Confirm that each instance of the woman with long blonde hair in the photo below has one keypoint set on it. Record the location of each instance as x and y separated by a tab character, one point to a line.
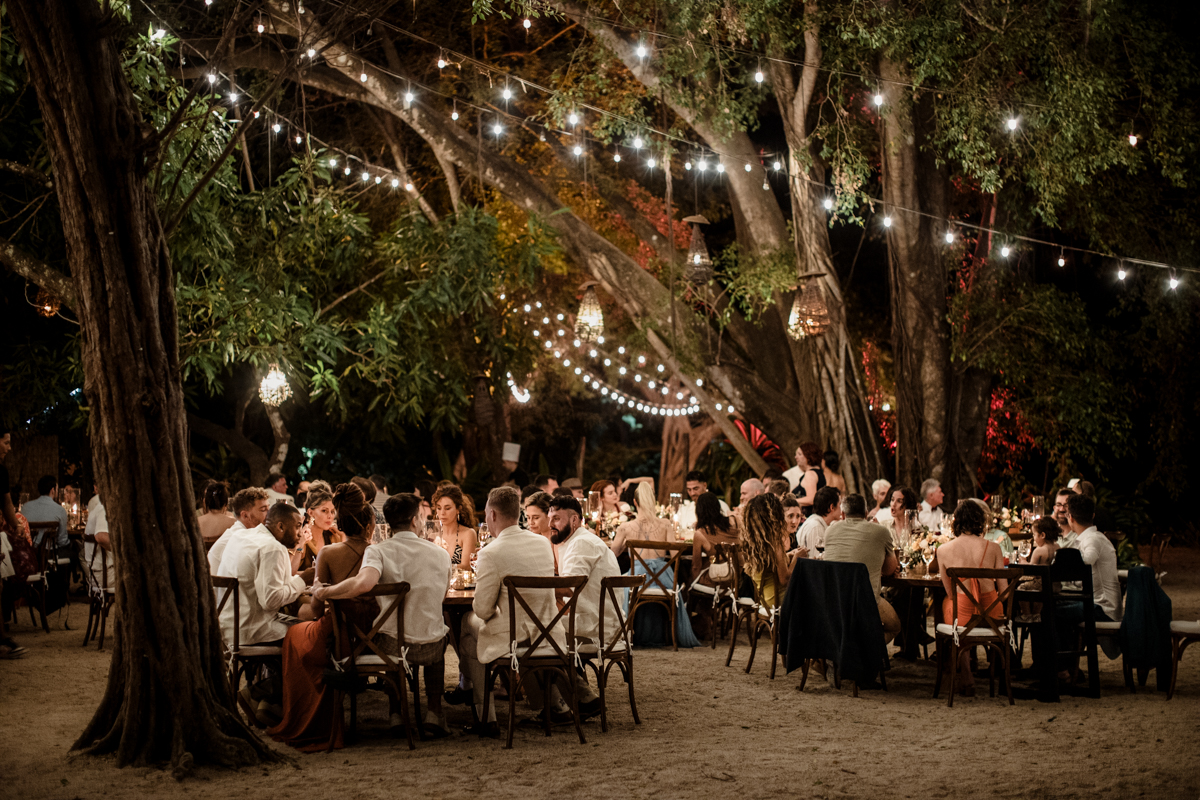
650	626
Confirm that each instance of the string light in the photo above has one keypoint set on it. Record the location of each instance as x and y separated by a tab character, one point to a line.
642	52
949	237
878	100
1173	282
650	163
363	77
887	222
1062	258
409	97
1004	251
1012	123
687	165
747	168
1133	140
395	182
578	150
528	24
702	165
507	93
637	143
366	176
828	203
299	139
212	78
720	167
573	118
441	62
277	127
1121	273
261	27
758	76
777	166
617	157
311	53
497	128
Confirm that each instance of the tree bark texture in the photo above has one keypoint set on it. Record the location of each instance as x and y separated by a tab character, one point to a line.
942	410
167	697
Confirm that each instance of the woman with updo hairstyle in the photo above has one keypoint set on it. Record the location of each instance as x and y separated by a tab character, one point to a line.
458	523
312	710
215	519
969	549
320	527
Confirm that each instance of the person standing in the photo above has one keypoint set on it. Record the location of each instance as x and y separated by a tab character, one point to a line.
812	480
811	535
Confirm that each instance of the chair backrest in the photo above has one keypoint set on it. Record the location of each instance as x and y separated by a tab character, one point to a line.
608	594
89	574
997	612
1068	567
232	588
515	583
1158	548
656	578
48	544
358	640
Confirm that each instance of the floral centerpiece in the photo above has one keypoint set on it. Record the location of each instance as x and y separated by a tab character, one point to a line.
922	546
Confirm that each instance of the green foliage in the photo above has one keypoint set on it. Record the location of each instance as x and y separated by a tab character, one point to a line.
1039	343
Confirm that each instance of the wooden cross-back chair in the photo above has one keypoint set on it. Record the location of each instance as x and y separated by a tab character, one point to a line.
357	653
757	617
240	655
101	596
38	584
614	648
989	626
716	600
542	654
658	590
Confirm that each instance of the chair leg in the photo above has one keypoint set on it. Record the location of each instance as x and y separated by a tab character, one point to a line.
416	693
1176	655
573	687
804	672
953	675
601	680
753	631
737	624
940	655
405	710
1008	675
87	634
103	623
671	612
774	649
513	682
991	672
628	670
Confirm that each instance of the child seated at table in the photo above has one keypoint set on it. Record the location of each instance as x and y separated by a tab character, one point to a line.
1045	540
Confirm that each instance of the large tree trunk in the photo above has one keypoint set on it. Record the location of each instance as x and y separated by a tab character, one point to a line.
942	412
167	696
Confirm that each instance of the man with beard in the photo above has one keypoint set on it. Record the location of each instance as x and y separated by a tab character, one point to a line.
581	552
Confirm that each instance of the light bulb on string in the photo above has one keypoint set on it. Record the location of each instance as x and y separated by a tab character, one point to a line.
454	113
497	128
261	27
578	150
777	166
441	62
748	168
650	163
1173	282
949	237
366	176
617	157
395	183
828	203
378	179
299	139
887	222
758	76
720	167
347	170
637	143
507	93
642	51
333	162
409	97
1121	273
687	165
311	53
702	165
256	115
1062	257
1011	124
1133	140
1004	251
528	23
573	118
277	127
878	100
233	97
212	78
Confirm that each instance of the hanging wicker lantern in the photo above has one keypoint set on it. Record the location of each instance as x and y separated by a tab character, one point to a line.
47	303
810	315
699	268
274	388
589	321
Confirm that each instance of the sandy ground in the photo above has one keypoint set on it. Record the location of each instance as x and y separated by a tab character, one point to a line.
705	728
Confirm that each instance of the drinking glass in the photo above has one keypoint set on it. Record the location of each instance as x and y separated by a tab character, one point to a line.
1026	549
485	535
913	520
432	527
1038	506
927	556
594	505
997	502
676	502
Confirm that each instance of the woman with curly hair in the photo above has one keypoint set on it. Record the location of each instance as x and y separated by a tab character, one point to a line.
458	523
763	556
312	710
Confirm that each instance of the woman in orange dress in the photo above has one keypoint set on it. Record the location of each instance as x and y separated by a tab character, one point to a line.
312	710
969	549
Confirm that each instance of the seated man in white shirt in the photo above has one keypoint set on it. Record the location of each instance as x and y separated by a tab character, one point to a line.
932	497
250	508
258	558
276	490
581	552
98	558
485	632
1066	536
1098	553
811	535
407	557
46	509
696	484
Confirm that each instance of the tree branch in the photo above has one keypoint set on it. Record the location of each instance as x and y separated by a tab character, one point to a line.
387	127
28	173
44	275
245	449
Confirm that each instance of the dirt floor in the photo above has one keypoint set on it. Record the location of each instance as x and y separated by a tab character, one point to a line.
705	728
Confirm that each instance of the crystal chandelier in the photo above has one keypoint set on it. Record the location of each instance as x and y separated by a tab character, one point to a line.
589	322
810	315
699	268
274	388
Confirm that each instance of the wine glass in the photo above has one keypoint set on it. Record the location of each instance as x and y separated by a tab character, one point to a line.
676	502
927	556
1025	549
485	535
997	503
913	520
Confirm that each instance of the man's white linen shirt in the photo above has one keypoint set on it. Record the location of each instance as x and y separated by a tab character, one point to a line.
584	553
687	513
274	497
812	534
264	572
94	554
218	549
426	568
1098	553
